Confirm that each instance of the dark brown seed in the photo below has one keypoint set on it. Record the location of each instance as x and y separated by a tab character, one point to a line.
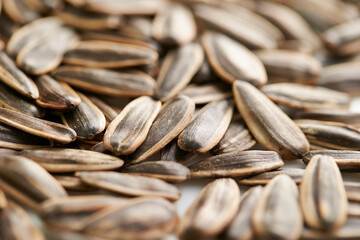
86	119
290	66
106	54
213	209
73	183
322	194
177	70
269	125
205	73
99	147
71	160
107	82
172	152
295	174
71	213
330	135
130	128
202	94
241	226
130	185
174	116
306	97
19	12
174	25
56	95
16	224
346	160
37	127
7	28
45	53
143	218
231	61
237	138
27	182
344	116
237	164
109	112
12	76
12	100
208	127
352	191
166	170
15	139
277	213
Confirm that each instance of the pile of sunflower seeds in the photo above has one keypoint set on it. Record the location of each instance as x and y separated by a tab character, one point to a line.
106	105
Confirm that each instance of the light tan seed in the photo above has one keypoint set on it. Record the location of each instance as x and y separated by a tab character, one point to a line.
269	125
86	119
231	61
166	170
143	218
208	127
213	209
346	160
71	160
202	94
12	76
344	116
106	54
56	95
237	164
130	128
295	174
37	127
277	213
178	68
19	12
322	194
130	185
3	200
45	6
107	82
330	135
241	226
174	116
352	191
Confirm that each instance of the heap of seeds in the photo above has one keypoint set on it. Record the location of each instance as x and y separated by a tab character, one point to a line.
107	105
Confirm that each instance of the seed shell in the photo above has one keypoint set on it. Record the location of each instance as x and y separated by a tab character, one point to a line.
346	160
343	116
295	174
19	12
203	94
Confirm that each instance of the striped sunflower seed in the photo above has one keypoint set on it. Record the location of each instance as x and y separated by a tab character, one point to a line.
73	183
202	94
346	160
109	112
352	191
6	151
353	209
295	174
3	200
19	12
45	6
343	116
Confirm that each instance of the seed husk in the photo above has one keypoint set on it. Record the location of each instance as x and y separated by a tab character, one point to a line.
6	151
86	119
56	95
346	160
322	194
71	160
12	76
3	200
353	209
343	116
130	185
212	210
277	213
107	82
16	224
290	66
177	70
231	61
172	152
106	54
330	135
27	182
45	53
19	12
37	127
7	28
130	128
143	218
306	97
174	25
109	112
352	191
45	6
203	94
268	123
99	147
295	174
174	116
208	127
166	170
241	226
73	183
236	138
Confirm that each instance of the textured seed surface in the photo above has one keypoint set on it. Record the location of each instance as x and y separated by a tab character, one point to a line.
344	116
269	125
322	194
71	182
346	160
352	191
202	94
295	174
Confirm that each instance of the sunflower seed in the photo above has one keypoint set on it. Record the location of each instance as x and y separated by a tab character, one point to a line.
7	28
45	6
269	125
277	213
6	151
37	127
130	128
3	201
344	116
19	12
109	112
213	209
174	116
130	185
86	119
99	147
202	94
172	152
352	191
346	160
73	183
322	194
178	68
353	209
295	174
230	60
